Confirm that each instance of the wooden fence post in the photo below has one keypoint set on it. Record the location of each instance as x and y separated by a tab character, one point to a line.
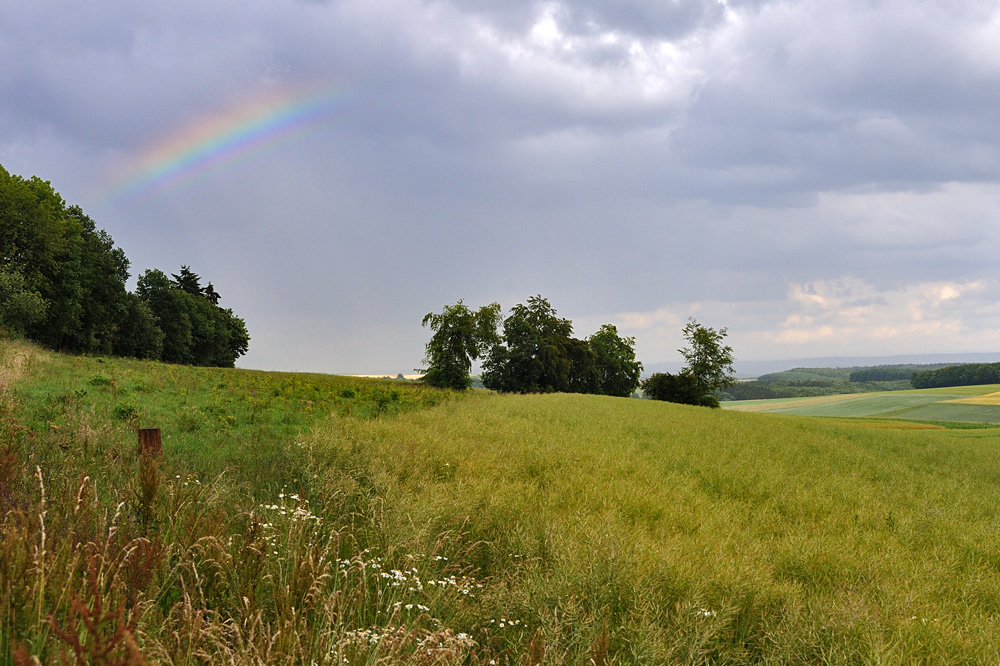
149	440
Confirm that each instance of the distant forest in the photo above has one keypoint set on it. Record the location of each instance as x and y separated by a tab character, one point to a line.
808	382
63	285
969	374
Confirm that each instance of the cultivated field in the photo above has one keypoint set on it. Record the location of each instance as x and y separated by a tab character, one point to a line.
970	404
313	519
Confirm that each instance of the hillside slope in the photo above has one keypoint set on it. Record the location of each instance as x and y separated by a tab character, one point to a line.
285	523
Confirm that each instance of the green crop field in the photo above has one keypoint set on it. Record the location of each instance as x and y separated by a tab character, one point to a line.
971	404
311	519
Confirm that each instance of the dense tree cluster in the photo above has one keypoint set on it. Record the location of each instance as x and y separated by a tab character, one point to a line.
709	369
883	373
754	390
62	284
460	337
969	374
534	352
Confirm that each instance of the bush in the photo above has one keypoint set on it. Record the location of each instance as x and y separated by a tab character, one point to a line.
682	388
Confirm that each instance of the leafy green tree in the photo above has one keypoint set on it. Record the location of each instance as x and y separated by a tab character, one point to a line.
20	307
709	360
709	369
534	352
66	260
139	334
538	353
195	331
36	241
615	368
169	305
218	337
583	371
238	343
101	270
32	224
460	337
63	285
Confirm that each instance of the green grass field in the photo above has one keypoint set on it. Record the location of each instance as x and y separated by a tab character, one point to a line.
314	519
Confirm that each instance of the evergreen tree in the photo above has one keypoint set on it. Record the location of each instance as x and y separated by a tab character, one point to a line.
188	281
211	294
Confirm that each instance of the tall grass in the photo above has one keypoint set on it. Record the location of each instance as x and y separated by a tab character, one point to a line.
241	545
312	519
689	535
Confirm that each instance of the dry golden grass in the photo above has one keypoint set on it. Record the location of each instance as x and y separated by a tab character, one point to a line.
13	363
988	399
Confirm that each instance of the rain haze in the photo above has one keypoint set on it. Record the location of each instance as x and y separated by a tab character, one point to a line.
821	178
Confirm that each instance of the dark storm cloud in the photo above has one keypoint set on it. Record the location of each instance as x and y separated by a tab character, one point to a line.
854	94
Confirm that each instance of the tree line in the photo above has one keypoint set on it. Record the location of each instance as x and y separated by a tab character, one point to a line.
808	382
63	285
532	350
968	374
884	373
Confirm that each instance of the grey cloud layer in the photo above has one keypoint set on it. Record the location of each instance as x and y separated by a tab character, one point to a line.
616	156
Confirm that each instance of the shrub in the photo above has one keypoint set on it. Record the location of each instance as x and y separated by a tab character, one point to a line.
682	388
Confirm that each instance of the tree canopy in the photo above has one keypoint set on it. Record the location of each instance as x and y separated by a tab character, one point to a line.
62	284
616	370
967	374
460	337
709	369
534	352
709	361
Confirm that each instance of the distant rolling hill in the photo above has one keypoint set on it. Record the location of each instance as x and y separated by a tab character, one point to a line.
751	369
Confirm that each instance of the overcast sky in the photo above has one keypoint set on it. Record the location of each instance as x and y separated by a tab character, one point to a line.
821	177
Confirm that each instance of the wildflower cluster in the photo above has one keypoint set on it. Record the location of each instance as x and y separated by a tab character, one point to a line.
505	623
373	635
300	511
187	480
409	579
446	642
441	644
924	620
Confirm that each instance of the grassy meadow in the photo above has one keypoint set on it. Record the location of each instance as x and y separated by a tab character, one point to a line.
310	519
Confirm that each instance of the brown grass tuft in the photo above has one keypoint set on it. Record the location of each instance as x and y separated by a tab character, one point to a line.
107	640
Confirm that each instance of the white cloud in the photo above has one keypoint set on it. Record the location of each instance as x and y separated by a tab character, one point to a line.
839	317
860	319
600	73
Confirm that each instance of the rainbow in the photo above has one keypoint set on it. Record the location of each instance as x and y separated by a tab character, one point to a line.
221	138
